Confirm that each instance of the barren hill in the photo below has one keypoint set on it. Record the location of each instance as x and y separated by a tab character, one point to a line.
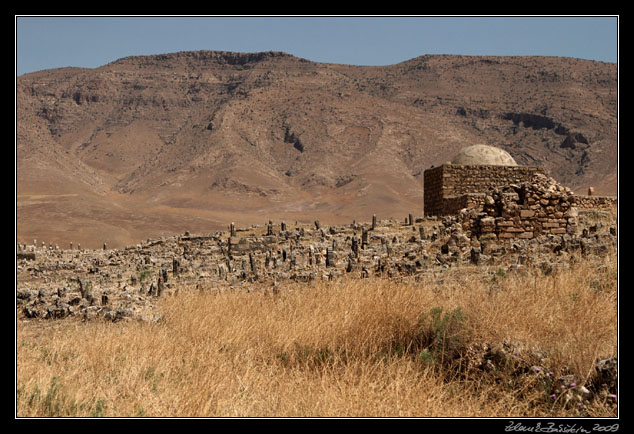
156	145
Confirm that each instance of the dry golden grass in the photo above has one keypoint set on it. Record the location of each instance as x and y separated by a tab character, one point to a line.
355	348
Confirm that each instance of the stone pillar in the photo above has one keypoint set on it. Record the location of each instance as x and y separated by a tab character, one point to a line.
252	263
364	239
232	229
159	286
330	258
373	221
355	246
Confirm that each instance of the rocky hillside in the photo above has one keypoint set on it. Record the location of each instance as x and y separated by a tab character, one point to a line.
156	145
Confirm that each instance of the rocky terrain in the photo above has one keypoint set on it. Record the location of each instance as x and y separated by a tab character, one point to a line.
54	282
152	146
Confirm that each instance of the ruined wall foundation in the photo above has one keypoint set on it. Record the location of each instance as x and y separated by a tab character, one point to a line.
506	202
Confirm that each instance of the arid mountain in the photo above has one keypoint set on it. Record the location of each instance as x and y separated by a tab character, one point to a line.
156	145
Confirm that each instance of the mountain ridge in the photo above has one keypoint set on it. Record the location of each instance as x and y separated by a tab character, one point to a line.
192	140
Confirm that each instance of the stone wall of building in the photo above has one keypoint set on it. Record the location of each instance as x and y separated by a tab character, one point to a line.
453	204
523	211
595	202
444	184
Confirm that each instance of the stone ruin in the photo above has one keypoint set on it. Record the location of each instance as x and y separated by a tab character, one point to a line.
519	218
522	200
522	211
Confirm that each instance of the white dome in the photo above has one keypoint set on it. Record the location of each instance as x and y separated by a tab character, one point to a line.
483	155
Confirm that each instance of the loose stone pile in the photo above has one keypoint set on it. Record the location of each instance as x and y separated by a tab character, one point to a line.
523	211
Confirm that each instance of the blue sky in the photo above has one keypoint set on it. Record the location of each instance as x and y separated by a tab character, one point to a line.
44	42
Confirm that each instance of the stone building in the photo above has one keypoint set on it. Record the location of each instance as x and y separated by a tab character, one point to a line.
498	199
471	173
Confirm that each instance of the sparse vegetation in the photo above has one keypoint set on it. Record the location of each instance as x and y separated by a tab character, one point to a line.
144	274
355	347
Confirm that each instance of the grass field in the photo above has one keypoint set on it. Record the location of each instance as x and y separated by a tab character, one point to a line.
351	348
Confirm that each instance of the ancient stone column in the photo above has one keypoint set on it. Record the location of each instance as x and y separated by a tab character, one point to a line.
590	191
364	239
222	271
83	289
232	229
330	258
355	246
283	226
410	219
373	221
317	225
252	263
160	287
269	228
